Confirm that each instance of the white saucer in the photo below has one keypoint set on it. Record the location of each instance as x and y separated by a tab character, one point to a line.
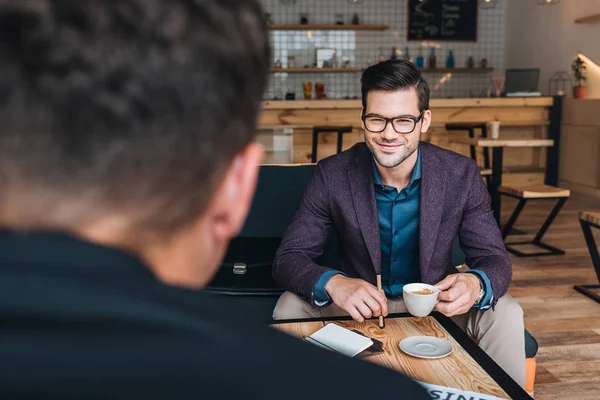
426	347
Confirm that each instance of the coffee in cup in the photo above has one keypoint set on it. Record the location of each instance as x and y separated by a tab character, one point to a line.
420	298
423	292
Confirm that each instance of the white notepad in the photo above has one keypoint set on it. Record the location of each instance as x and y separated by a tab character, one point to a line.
335	338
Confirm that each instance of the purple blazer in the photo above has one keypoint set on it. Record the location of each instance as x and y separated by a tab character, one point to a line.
454	201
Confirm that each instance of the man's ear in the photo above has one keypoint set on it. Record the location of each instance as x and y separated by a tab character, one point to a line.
426	121
229	207
364	110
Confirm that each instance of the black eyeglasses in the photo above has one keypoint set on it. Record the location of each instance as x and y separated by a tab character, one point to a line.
403	125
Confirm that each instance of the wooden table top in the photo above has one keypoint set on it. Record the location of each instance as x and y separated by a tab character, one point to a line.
501	142
591	217
459	370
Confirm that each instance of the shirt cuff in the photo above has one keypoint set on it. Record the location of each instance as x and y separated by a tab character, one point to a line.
320	295
488	297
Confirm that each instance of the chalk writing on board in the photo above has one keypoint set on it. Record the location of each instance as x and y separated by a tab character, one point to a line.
442	20
423	20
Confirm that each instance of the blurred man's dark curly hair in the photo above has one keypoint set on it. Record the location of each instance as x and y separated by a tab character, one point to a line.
123	107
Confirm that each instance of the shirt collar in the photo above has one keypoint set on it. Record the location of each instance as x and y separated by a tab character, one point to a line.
416	173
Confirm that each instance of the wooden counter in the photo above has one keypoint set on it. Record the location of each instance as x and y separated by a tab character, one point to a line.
521	118
580	147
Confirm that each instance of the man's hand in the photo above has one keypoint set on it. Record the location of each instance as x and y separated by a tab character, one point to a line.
358	298
458	293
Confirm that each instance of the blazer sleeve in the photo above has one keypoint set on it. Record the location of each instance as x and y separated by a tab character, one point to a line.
480	237
295	267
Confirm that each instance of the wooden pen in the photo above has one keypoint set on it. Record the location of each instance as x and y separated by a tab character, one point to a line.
381	320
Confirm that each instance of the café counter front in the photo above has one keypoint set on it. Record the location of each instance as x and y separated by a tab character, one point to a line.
286	130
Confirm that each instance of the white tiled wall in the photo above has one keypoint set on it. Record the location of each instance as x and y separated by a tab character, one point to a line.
363	47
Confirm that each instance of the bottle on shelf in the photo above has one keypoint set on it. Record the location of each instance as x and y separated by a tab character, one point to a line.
406	54
450	59
432	59
470	62
394	55
420	58
381	56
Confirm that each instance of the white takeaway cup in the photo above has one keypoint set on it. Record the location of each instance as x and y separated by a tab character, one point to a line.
494	129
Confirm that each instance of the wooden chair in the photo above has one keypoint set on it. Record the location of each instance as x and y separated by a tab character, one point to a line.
587	221
535	192
323	129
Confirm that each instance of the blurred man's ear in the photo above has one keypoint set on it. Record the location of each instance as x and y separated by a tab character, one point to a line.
229	206
193	256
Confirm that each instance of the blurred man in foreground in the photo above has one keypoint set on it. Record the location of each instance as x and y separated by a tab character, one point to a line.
126	166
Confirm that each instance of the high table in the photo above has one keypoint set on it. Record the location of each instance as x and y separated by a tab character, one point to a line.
467	368
498	146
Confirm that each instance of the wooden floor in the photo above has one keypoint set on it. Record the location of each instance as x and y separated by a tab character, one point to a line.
565	323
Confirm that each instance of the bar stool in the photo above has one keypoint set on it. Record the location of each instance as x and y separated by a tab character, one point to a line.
323	129
537	192
486	170
587	221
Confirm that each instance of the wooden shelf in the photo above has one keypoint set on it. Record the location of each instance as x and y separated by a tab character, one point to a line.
457	70
590	19
423	70
313	70
326	27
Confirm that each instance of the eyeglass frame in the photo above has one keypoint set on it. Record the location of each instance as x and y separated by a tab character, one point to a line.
388	120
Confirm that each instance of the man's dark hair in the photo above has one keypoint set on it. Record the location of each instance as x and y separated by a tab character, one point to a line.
128	108
395	75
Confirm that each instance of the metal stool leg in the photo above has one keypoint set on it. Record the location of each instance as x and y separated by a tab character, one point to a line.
472	148
537	240
340	140
315	144
513	218
486	151
538	237
593	248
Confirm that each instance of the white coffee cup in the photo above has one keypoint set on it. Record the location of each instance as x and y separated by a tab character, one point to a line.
494	129
420	305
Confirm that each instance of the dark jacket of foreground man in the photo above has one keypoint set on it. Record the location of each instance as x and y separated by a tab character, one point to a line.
78	320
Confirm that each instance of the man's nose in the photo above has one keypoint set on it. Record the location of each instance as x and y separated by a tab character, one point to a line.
389	133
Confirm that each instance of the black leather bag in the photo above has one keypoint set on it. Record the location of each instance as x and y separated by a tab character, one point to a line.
247	267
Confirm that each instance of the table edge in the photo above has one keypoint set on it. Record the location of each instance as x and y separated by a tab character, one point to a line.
503	380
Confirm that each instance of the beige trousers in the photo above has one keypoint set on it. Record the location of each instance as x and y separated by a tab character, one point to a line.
500	332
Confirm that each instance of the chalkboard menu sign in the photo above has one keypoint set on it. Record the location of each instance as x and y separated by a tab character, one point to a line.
452	20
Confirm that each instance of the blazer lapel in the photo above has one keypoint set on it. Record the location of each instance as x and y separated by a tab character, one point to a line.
433	189
363	197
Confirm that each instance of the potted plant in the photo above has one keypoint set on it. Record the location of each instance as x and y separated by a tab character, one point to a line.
578	68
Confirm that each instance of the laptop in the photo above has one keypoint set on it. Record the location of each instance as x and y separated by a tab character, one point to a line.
522	82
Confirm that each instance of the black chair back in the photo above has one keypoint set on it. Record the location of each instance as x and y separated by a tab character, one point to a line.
247	267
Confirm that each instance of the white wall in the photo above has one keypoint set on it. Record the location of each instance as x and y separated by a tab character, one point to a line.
546	36
361	48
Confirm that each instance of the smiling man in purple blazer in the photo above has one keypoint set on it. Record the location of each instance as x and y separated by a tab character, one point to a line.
397	205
